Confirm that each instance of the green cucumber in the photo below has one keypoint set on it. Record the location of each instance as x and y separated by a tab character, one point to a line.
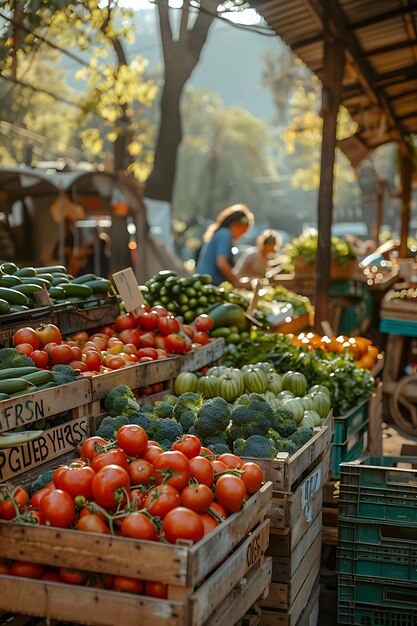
81	291
70	277
35	280
26	271
163	275
28	289
56	292
12	385
53	269
4	307
49	385
84	278
99	285
4	396
18	372
59	280
12	296
8	268
18	308
41	377
9	281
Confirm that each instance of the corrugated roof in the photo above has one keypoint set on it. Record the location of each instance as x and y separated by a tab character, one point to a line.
380	81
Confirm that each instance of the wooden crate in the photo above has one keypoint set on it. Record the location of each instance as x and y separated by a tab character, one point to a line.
375	422
244	537
136	376
196	359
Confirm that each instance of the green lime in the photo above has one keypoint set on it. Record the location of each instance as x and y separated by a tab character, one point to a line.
200	310
165	299
170	306
192	303
203	301
233	338
191	292
189	316
182	298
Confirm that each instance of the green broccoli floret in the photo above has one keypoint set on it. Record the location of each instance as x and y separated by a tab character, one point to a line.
64	374
191	431
9	357
162	409
256	446
110	425
187	420
252	415
165	431
283	422
188	401
216	440
41	481
220	448
285	445
213	418
120	391
141	420
124	406
301	436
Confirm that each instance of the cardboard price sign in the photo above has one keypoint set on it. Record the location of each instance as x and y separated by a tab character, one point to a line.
128	288
53	443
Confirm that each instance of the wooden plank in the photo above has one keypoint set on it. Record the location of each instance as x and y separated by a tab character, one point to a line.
375	422
51	444
42	404
86	605
281	545
220	584
135	376
330	536
239	601
196	359
393	353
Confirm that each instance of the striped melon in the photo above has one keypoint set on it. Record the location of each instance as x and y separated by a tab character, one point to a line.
256	381
184	382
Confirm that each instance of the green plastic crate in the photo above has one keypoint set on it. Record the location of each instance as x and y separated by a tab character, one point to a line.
389	559
375	533
375	488
349	450
380	592
366	615
347	425
394	326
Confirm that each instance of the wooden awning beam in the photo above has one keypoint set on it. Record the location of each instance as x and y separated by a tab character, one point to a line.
376	19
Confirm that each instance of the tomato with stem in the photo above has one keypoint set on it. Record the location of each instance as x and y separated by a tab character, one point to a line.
189	445
172	468
138	525
110	486
132	439
92	523
140	472
230	492
162	499
198	498
76	479
181	523
90	447
57	508
202	470
114	456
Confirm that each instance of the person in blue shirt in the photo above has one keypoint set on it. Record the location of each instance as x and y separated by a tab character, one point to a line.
216	254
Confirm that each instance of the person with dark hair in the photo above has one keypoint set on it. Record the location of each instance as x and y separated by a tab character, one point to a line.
253	262
216	254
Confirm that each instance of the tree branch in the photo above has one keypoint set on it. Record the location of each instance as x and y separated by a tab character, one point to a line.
165	29
185	11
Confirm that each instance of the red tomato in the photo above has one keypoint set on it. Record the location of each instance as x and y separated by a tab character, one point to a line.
202	470
61	354
24	348
75	479
137	499
230	492
201	337
176	344
115	362
160	342
51	576
147	352
49	347
78	365
73	576
48	333
40	358
76	353
206	452
7	510
4	568
109	486
80	337
125	321
231	460
140	472
26	570
218	510
132	439
101	342
92	509
26	335
156	590
174	464
160	311
90	447
57	508
203	322
37	497
253	477
151	453
114	456
37	517
130	349
189	445
188	330
92	524
157	387
130	336
181	523
108	330
209	523
129	585
162	499
90	345
167	325
198	498
93	360
147	321
138	526
219	466
147	340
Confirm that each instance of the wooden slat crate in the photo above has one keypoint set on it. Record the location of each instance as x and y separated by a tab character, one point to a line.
135	376
244	537
196	359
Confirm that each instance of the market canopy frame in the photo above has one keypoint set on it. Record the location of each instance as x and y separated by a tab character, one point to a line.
365	54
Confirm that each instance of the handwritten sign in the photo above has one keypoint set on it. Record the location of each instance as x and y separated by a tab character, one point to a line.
53	443
128	288
310	487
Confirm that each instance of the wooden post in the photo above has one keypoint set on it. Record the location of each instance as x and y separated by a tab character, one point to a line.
380	191
406	171
332	86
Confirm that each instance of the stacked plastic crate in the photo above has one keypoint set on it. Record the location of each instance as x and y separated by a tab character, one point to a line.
377	547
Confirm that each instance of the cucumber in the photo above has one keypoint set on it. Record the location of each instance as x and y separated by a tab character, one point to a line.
41	377
17	372
59	280
12	296
18	308
99	285
26	271
52	269
46	386
81	291
35	280
4	307
4	396
70	277
8	268
12	385
163	275
9	281
28	289
48	277
84	278
56	292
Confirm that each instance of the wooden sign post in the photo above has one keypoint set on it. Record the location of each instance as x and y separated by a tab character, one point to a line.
128	288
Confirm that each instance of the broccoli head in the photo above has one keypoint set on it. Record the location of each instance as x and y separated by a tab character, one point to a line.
220	448
64	374
41	481
285	445
283	422
215	440
162	409
252	416
110	425
118	392
213	418
301	436
141	420
124	406
188	401
165	431
187	420
255	446
10	357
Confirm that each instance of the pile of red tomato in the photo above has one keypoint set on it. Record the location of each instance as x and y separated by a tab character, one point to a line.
152	334
132	488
